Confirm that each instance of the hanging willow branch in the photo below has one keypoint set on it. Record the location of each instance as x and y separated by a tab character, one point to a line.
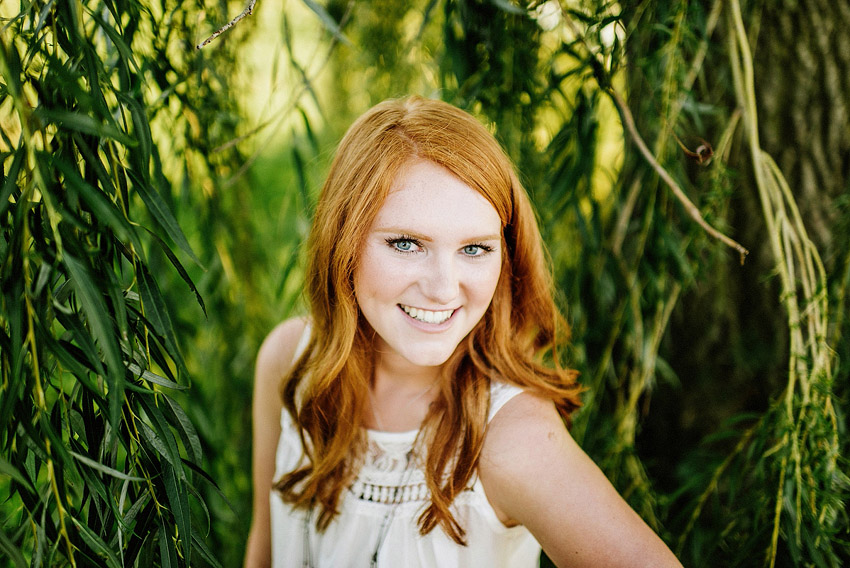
693	211
809	428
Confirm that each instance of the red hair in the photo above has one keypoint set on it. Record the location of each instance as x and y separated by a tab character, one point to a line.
327	388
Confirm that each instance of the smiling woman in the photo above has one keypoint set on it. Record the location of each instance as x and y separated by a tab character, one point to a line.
429	267
417	422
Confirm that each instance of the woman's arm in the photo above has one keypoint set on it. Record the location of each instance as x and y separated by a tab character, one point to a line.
273	362
536	475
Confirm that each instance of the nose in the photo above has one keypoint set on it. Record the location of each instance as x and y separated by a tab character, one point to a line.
440	282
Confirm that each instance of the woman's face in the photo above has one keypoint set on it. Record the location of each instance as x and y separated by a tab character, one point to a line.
429	266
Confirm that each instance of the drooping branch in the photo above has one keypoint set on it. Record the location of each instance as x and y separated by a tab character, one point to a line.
604	81
693	211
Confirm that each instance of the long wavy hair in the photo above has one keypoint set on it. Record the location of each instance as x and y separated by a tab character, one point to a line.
326	391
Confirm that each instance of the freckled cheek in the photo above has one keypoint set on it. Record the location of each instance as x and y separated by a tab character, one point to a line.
482	282
382	277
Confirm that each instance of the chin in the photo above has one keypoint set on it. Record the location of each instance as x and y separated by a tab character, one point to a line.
435	358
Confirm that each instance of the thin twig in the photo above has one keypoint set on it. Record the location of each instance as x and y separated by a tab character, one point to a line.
246	12
693	211
302	87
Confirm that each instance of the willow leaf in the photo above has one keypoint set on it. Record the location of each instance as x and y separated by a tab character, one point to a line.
141	128
120	44
93	161
84	123
157	313
180	269
9	469
157	446
180	421
10	182
199	499
96	314
153	377
97	544
508	7
167	548
162	214
178	498
204	475
101	207
130	516
74	361
15	349
206	553
103	468
161	433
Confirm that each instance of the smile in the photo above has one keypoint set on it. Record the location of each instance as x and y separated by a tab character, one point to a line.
427	316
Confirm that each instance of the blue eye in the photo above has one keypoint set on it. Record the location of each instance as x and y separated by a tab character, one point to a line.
476	250
404	244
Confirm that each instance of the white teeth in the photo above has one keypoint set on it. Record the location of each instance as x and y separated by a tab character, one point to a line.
426	315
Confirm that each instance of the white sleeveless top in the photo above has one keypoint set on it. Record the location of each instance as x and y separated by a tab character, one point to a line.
387	498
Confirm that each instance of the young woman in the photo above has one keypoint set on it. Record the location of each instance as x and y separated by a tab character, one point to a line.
414	417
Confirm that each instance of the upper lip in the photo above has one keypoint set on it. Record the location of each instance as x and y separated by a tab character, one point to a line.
447	309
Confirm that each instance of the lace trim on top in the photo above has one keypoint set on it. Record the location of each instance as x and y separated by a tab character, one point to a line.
386	475
390	495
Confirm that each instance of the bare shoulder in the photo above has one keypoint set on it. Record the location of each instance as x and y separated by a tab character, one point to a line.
273	362
278	349
525	431
535	474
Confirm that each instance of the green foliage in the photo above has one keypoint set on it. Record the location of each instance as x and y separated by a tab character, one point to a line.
103	466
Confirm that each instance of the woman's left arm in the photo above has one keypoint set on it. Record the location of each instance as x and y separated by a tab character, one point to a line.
535	474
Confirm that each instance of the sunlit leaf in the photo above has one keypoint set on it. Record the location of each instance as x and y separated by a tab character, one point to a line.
10	181
507	6
85	124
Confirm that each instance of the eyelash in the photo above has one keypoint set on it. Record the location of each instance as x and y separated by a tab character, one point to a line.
393	242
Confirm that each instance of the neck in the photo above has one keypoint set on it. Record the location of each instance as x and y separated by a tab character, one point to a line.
400	396
401	374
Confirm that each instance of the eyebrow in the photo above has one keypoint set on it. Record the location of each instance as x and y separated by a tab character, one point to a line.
421	237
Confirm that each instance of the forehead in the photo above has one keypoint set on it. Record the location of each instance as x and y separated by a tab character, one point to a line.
428	194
